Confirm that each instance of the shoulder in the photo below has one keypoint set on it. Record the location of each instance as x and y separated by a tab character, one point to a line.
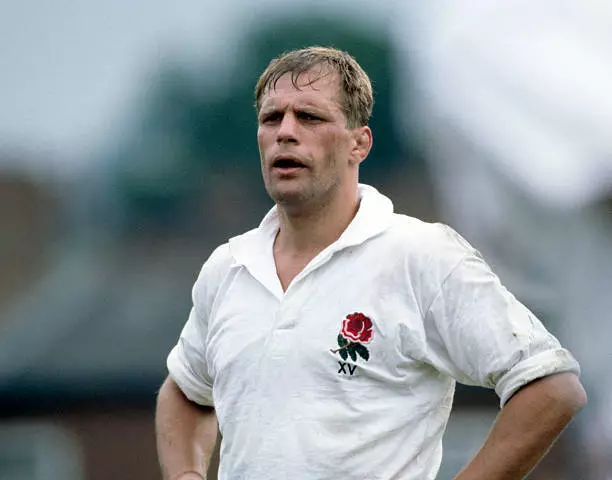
213	271
219	260
420	238
426	252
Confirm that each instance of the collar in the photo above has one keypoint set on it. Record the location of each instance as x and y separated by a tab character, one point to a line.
254	249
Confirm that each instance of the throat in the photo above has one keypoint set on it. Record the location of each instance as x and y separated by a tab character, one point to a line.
288	269
290	261
308	232
301	237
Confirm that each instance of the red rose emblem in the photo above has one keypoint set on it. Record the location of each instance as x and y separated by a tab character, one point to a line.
356	327
356	330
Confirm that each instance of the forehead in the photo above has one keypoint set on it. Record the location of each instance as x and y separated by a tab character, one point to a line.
316	87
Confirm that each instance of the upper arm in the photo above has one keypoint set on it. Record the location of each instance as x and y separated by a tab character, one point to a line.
564	391
187	362
480	334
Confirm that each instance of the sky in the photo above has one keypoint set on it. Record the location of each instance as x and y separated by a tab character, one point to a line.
71	70
528	88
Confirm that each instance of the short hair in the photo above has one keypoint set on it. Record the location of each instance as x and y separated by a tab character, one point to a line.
356	98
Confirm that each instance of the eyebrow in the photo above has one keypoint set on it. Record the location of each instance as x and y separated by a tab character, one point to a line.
266	110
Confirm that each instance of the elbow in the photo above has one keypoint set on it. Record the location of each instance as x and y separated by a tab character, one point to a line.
580	398
570	393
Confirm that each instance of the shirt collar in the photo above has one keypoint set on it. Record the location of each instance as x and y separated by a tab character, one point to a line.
372	218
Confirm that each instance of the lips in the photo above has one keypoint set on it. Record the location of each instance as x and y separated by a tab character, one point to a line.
287	162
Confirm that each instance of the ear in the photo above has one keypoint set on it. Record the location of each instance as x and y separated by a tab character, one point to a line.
362	144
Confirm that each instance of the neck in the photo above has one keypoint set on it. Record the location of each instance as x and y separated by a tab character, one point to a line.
309	231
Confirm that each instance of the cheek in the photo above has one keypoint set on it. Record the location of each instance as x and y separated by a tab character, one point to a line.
337	149
260	138
264	137
262	146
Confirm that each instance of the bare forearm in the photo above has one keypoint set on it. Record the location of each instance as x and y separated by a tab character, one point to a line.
186	434
526	428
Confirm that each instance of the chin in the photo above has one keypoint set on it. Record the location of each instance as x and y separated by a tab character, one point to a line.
288	195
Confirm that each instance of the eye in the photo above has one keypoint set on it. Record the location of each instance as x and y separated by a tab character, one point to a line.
309	117
272	117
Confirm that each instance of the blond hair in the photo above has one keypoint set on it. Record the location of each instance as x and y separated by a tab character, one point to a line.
356	98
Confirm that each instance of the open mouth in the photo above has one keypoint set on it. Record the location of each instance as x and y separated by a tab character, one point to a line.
287	164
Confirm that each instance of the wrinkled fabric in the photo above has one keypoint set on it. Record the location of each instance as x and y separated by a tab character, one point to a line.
290	405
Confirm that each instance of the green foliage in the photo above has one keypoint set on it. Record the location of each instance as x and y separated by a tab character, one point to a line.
362	351
343	353
185	135
352	351
372	50
342	343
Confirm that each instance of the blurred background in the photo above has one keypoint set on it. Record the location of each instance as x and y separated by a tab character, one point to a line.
128	152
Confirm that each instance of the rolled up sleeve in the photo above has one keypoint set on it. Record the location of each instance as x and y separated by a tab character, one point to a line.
540	365
187	364
480	334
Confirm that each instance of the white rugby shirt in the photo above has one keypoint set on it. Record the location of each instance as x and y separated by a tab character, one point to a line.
291	403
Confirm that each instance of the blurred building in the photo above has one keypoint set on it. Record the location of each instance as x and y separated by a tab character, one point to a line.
515	104
97	265
27	209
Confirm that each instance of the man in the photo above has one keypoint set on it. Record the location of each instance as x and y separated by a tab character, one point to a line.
326	342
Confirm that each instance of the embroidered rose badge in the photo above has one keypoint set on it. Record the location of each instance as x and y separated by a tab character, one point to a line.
355	332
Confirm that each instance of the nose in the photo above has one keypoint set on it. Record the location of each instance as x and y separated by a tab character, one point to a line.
287	130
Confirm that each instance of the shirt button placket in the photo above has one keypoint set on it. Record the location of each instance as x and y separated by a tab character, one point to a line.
283	327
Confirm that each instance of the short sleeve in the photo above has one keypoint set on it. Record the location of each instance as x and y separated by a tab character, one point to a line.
187	360
480	334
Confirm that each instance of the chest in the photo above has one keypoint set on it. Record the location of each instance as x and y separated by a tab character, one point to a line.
341	330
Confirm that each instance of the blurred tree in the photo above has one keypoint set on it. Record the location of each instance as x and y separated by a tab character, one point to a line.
232	124
155	165
189	137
